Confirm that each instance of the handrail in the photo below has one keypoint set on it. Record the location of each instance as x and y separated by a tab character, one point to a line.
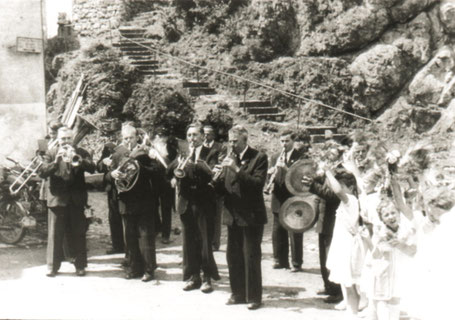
247	80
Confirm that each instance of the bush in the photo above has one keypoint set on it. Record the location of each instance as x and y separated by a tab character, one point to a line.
220	120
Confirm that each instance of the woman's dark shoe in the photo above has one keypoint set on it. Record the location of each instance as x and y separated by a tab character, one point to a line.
147	277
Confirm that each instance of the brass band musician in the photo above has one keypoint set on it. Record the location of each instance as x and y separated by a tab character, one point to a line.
280	236
137	206
64	166
196	206
244	177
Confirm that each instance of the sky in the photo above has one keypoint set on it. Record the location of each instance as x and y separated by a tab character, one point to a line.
53	7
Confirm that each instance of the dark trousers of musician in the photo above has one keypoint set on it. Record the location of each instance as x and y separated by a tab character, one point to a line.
244	262
166	200
115	222
197	244
69	222
280	241
217	222
140	243
324	245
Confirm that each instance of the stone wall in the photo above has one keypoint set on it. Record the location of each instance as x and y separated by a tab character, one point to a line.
95	18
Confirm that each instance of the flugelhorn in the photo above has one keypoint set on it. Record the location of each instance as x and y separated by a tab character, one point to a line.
179	172
220	173
269	187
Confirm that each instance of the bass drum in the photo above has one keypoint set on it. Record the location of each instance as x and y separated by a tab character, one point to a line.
299	213
294	174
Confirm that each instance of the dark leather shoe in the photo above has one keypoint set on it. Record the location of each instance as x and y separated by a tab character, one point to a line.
206	287
232	300
278	265
147	277
165	241
113	251
253	305
322	293
296	269
51	274
192	285
333	299
80	272
131	275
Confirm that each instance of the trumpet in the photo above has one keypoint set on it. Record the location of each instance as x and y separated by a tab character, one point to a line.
147	145
269	187
220	173
179	172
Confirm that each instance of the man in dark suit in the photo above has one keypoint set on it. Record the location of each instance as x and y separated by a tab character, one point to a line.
210	143
196	206
137	206
114	217
167	148
64	166
245	215
325	225
280	162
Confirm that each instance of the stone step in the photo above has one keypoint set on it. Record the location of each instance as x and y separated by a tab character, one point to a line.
146	68
253	103
154	72
278	117
200	91
131	29
144	56
133	48
262	110
124	44
144	62
194	84
133	35
320	129
319	138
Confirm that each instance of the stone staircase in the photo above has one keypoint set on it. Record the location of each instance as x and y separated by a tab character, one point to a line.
318	133
262	110
196	88
141	58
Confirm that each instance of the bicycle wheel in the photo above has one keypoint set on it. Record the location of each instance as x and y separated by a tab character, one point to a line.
11	229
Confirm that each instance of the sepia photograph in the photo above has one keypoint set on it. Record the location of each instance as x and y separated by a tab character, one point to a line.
227	159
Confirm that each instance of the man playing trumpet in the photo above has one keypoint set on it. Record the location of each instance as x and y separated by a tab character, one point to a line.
137	206
64	166
196	206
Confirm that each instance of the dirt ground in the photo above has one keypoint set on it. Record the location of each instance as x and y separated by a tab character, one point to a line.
26	293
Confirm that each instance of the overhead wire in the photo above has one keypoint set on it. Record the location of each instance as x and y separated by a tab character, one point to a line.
284	92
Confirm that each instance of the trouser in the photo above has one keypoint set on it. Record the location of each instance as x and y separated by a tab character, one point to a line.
197	244
115	222
385	309
166	199
280	241
244	262
69	222
140	243
217	222
324	245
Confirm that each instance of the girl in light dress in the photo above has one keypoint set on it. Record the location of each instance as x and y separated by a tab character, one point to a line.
339	260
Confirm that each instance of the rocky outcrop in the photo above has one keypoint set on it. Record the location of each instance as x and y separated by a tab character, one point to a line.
434	84
447	16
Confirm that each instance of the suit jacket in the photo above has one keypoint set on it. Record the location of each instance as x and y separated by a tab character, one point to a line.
139	200
243	191
194	188
280	192
108	150
66	184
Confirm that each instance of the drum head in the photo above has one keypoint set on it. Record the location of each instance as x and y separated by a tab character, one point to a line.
293	179
297	214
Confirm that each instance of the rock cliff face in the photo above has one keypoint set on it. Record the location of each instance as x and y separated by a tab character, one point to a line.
392	61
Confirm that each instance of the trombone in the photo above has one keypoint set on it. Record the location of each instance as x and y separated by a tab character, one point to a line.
84	127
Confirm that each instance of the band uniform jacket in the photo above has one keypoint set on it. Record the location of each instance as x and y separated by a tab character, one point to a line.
69	186
194	188
138	199
280	192
243	191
